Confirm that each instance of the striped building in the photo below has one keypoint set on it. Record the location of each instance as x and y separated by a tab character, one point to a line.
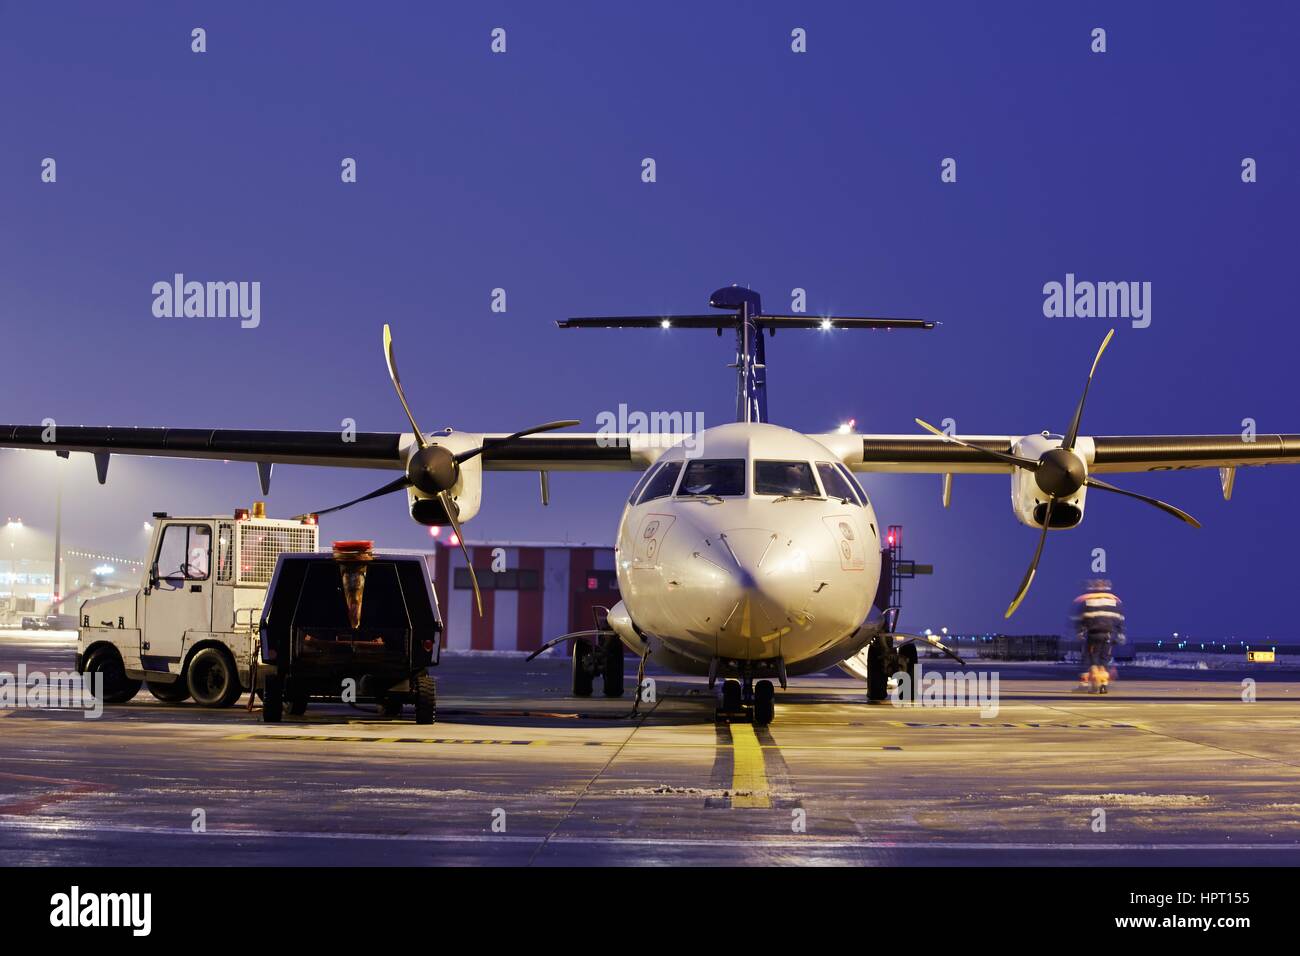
545	590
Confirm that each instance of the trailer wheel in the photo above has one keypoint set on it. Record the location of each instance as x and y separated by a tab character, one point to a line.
173	693
582	655
295	701
613	670
426	699
118	688
212	678
272	701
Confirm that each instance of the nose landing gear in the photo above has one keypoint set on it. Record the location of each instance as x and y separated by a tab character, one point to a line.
748	702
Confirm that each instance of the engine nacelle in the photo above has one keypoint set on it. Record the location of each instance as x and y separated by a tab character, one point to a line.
467	493
1028	501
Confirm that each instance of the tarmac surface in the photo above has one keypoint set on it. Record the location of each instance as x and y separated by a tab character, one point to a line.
1171	768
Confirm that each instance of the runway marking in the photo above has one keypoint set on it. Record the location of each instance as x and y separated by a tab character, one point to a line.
69	790
387	740
749	786
49	825
592	782
1009	725
1201	743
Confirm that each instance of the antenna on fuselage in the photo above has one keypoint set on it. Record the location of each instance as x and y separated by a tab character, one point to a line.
749	322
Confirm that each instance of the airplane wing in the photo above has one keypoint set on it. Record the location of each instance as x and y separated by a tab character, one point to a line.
967	454
606	451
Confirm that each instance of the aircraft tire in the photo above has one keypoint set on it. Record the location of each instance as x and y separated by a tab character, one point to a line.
877	671
732	700
764	703
907	663
613	671
582	652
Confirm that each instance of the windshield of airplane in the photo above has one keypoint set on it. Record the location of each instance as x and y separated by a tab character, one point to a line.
661	482
784	478
836	485
714	476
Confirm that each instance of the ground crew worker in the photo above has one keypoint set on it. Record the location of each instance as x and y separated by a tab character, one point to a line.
1100	625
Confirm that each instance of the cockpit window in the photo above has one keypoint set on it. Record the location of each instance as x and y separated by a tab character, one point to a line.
661	484
835	484
643	481
784	478
853	483
714	476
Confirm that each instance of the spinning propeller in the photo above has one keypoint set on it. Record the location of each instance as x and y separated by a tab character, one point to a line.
1059	473
434	470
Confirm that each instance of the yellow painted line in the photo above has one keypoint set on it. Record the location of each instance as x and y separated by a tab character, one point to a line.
1013	725
385	740
749	776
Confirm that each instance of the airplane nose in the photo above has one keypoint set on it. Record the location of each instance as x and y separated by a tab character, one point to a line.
754	585
774	577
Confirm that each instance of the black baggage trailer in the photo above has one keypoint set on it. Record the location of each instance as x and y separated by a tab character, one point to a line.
352	625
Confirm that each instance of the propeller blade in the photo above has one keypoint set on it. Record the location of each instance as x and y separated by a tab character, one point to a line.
1010	459
548	426
450	507
1033	565
397	484
1073	433
1162	505
391	359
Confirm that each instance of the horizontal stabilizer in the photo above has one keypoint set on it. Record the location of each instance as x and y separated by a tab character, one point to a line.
724	321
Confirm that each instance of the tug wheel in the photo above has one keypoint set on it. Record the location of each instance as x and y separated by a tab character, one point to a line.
212	679
118	688
173	693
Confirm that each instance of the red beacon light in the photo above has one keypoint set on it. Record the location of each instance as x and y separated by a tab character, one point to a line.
310	519
241	514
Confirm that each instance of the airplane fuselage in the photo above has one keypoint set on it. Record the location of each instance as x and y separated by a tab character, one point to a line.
755	548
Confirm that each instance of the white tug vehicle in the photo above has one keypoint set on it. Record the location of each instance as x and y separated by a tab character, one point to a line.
191	627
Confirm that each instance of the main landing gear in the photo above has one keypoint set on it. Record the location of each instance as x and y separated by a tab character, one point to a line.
603	659
596	653
884	661
750	701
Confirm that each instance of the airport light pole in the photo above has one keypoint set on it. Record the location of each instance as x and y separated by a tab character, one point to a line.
58	536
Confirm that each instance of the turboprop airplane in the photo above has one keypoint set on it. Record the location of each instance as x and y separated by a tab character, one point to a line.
748	552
